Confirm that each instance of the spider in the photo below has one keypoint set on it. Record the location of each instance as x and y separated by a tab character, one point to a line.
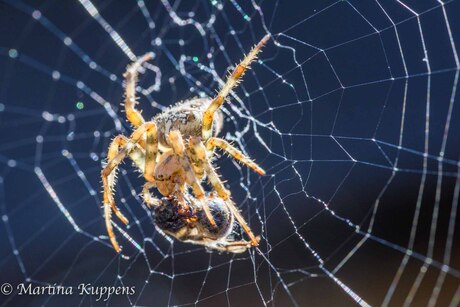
174	150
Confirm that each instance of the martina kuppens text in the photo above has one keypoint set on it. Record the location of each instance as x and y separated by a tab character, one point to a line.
101	293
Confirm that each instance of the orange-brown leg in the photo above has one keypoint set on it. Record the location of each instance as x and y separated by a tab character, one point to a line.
115	156
118	141
196	152
235	153
149	199
108	180
236	247
217	184
151	151
232	82
133	115
177	143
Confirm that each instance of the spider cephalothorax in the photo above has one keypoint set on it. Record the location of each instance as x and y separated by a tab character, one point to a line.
174	152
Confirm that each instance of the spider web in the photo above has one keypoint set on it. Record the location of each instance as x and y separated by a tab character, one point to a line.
351	108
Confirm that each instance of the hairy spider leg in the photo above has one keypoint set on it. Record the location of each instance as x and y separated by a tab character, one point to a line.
197	153
149	199
109	182
151	152
134	116
232	82
235	153
177	143
224	246
217	184
235	247
115	156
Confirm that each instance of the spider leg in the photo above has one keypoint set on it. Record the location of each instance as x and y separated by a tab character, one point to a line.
177	144
108	180
151	151
132	71
198	156
235	153
235	247
210	243
118	141
196	152
149	199
115	156
215	181
232	82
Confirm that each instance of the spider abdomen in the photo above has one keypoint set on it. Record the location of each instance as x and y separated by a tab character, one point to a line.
186	117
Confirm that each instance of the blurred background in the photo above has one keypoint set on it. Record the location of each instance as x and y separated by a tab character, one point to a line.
352	109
